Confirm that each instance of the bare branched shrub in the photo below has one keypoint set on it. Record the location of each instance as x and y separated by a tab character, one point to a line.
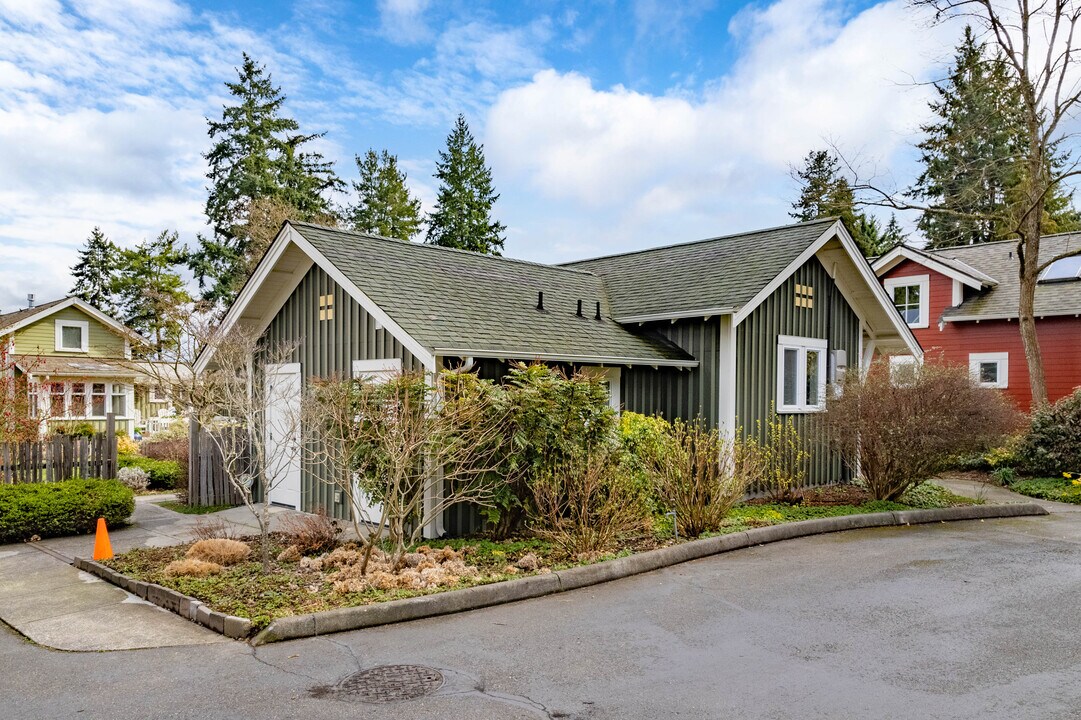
191	567
901	435
220	551
211	528
586	505
700	475
786	457
311	534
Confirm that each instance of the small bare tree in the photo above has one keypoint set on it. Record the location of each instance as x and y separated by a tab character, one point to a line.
412	448
900	434
231	400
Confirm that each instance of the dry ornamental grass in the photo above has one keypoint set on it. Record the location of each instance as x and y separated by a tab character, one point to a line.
220	551
191	567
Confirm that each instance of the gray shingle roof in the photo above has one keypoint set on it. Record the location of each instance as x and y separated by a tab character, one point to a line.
450	299
999	260
719	273
11	318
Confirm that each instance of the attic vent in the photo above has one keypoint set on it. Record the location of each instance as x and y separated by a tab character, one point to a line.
805	296
326	307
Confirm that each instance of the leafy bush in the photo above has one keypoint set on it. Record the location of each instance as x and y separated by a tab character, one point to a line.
900	435
1004	476
1058	489
125	445
70	507
74	429
700	476
161	474
1052	444
133	477
585	505
928	495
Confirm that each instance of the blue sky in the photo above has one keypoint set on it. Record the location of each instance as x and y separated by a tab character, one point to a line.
609	126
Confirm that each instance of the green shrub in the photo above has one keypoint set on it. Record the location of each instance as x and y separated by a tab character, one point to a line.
74	429
1059	489
161	474
1052	444
70	507
1004	476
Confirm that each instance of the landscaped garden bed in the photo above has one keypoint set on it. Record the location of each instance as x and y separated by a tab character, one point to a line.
1061	489
324	580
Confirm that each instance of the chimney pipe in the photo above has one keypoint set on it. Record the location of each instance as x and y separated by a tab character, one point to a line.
540	300
598	315
579	313
30	300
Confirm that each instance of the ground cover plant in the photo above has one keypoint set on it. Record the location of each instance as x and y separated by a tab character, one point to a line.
1060	489
69	507
298	583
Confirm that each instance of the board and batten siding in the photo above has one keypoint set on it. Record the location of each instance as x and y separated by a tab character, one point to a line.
673	393
831	318
327	348
40	338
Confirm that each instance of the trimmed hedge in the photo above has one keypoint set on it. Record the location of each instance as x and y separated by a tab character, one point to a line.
69	507
161	474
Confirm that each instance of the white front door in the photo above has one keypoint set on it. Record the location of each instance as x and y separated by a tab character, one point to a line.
282	433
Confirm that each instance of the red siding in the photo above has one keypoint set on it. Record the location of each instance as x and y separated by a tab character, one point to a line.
1060	340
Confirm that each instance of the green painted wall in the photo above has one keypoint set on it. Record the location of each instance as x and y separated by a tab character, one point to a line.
40	337
673	393
326	348
830	318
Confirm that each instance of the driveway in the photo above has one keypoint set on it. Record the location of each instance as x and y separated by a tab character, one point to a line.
958	620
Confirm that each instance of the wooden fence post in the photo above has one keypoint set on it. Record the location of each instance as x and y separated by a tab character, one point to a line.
194	461
110	446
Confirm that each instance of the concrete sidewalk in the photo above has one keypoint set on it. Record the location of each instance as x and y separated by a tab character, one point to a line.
46	599
997	494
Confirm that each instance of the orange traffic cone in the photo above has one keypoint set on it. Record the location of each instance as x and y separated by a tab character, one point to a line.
103	549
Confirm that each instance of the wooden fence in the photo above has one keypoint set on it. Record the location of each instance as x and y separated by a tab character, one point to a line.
61	457
208	483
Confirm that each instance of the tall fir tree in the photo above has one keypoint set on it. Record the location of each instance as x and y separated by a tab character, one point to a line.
826	192
384	205
149	288
256	153
463	213
95	272
971	155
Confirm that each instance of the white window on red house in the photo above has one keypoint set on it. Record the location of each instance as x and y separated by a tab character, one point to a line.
801	374
910	295
990	369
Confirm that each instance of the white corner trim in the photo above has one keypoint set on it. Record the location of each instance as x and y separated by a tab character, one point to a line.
924	284
958	296
84	327
1002	359
726	365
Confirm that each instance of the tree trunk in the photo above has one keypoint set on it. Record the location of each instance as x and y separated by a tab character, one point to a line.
1028	257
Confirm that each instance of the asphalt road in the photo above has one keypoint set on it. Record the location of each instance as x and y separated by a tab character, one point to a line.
961	620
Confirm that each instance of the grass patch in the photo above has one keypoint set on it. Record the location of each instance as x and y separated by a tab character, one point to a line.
290	589
177	506
1058	489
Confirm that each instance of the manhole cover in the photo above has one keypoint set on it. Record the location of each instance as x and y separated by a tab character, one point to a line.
387	683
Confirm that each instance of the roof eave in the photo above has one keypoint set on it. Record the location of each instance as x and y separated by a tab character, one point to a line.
566	357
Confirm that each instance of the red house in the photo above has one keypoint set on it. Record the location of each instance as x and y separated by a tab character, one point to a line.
961	304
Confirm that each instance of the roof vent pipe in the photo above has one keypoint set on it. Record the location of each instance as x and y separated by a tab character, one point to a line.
579	313
598	315
540	299
30	300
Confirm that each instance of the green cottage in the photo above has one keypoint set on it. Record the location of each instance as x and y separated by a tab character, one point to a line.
725	328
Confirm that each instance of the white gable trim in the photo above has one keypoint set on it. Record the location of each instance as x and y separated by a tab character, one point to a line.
901	253
287	236
79	304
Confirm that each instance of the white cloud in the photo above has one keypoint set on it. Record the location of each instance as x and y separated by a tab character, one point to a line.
405	21
634	167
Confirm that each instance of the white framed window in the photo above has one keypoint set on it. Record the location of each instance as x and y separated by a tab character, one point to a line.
72	335
990	369
72	400
610	378
911	296
378	370
801	374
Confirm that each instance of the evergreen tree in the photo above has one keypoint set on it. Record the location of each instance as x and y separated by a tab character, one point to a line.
463	212
95	272
825	192
971	155
149	287
384	205
256	153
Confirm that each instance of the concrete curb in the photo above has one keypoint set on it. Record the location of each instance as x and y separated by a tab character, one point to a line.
533	586
183	605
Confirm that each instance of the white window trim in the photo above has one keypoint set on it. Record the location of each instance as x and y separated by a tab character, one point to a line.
44	403
379	370
802	344
924	283
611	375
1003	361
83	325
